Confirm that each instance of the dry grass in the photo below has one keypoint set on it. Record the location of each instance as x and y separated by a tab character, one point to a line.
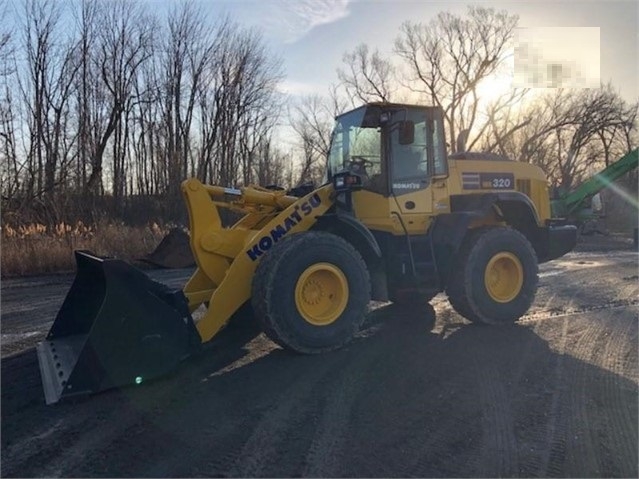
36	249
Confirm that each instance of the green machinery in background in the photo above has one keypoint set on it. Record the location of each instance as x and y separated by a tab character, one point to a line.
575	206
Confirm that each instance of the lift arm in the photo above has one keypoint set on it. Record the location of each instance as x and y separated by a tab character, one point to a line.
227	257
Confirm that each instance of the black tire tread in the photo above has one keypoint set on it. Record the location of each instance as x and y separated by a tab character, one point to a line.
459	283
456	287
263	283
265	286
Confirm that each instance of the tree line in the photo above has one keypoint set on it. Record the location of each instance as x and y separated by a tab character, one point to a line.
102	97
569	133
104	102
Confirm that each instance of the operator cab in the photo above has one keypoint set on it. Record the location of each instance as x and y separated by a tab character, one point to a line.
396	149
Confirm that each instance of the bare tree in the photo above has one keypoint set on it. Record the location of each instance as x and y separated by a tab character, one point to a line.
572	133
46	89
499	120
368	76
9	167
241	89
187	52
6	33
271	166
580	146
118	104
312	119
447	58
125	42
619	134
149	168
88	89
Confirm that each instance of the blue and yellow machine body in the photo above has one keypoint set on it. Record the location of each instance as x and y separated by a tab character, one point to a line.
398	219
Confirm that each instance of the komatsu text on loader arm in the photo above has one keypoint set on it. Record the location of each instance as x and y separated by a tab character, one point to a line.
397	219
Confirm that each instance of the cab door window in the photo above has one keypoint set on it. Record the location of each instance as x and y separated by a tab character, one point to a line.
410	162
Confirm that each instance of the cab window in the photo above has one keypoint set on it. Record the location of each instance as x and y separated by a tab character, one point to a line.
410	162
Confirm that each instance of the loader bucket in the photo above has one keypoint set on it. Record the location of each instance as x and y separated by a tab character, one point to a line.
116	327
174	251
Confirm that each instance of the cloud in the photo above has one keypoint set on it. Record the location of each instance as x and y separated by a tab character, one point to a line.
290	20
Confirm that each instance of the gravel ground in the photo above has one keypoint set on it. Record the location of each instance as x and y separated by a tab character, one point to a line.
420	392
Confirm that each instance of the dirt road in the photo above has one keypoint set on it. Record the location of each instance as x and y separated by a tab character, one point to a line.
418	393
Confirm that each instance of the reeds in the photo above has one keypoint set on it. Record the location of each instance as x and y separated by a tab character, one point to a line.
36	249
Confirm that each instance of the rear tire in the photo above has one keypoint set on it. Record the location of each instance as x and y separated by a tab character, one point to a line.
311	292
495	278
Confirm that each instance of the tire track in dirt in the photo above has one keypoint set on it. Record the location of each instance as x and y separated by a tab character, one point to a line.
261	449
554	443
420	438
432	434
427	452
115	425
88	428
324	455
534	402
266	442
391	429
499	445
592	420
535	410
617	354
582	455
570	311
410	409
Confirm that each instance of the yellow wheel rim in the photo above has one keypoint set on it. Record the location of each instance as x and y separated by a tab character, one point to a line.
504	277
321	294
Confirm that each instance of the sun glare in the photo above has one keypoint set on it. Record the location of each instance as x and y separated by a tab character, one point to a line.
622	193
493	87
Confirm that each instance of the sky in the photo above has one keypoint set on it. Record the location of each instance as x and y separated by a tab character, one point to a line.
311	36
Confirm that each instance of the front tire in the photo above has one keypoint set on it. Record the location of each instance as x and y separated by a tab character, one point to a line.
311	292
494	280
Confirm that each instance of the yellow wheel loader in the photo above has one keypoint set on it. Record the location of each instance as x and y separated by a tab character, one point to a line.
396	219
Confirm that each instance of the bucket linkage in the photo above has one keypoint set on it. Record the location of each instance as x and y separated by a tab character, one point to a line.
116	327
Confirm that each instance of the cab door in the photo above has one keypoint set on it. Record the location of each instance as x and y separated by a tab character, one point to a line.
409	168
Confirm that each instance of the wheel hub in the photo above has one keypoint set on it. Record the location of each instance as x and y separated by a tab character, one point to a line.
504	277
321	294
312	292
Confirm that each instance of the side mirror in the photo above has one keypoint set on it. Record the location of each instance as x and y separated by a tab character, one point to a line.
406	132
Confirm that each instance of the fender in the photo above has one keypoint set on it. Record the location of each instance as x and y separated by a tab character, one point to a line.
353	230
516	207
449	230
356	233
